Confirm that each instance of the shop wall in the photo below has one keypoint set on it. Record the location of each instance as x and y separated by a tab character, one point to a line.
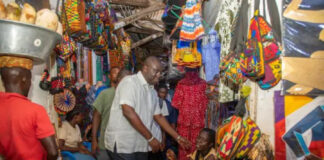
39	96
261	102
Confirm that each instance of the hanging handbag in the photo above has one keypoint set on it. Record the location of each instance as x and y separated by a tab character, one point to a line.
252	60
253	134
261	58
66	48
233	134
230	70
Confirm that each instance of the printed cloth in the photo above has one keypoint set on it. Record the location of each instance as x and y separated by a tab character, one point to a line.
188	54
211	55
225	22
298	126
12	61
211	153
91	95
115	58
191	101
192	28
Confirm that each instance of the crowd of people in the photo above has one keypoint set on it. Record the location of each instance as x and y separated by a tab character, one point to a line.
132	120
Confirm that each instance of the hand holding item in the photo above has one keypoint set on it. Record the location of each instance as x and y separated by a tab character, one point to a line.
162	146
155	144
94	146
84	150
184	143
171	155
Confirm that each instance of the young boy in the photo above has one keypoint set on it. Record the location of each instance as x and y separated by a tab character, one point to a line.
172	118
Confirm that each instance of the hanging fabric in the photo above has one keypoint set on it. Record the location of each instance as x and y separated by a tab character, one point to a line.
105	69
99	68
192	27
211	55
102	68
230	66
78	61
66	48
188	54
94	67
231	71
85	64
191	101
115	58
226	20
74	12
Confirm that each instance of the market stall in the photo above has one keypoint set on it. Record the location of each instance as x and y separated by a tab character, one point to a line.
251	70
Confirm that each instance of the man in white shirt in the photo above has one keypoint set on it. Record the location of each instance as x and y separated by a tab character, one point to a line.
128	134
157	132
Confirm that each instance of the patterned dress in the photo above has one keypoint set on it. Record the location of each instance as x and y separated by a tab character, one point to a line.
192	28
191	101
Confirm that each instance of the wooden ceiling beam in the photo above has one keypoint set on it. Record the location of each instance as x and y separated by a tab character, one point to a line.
139	15
141	31
147	39
137	3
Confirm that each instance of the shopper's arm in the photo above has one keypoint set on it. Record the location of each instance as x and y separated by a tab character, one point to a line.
163	140
83	149
50	146
63	147
136	122
168	129
95	126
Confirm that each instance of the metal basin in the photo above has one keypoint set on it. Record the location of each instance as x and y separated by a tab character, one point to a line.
27	40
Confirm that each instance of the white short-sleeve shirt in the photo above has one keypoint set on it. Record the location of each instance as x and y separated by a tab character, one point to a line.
137	93
156	129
